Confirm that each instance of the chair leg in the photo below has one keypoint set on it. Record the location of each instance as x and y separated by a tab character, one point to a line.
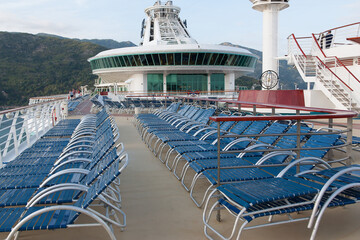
184	176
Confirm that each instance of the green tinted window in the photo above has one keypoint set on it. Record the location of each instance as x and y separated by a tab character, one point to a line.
155	82
186	82
217	81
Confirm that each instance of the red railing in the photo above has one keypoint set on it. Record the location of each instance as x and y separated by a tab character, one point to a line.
297	43
341	63
348	25
337	59
334	73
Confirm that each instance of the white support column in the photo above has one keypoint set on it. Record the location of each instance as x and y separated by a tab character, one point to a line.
270	38
209	82
164	82
270	10
229	81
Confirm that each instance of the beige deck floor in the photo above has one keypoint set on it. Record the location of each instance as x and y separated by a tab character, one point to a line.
158	207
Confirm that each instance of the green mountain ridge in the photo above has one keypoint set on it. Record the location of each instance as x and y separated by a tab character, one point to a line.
108	43
33	65
45	64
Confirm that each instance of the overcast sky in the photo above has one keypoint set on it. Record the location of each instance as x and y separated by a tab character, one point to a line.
209	21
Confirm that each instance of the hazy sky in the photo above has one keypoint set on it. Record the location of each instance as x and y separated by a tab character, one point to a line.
209	21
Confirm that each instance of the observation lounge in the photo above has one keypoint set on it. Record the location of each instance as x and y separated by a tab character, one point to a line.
168	60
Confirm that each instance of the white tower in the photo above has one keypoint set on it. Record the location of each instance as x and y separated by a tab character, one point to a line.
270	10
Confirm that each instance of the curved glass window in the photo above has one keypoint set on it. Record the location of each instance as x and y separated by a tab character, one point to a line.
175	59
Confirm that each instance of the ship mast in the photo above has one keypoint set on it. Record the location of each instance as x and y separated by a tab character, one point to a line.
163	26
270	10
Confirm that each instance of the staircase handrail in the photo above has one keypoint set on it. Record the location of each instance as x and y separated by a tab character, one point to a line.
318	46
341	34
337	59
334	74
348	25
298	45
341	63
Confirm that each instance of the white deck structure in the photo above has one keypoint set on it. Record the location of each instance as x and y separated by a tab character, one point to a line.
330	63
168	59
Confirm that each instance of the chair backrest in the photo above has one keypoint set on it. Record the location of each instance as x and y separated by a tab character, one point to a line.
184	109
315	141
191	112
255	127
173	107
198	114
204	118
289	141
274	128
240	127
96	189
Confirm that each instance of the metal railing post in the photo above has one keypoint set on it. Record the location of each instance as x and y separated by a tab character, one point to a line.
273	111
349	141
298	138
218	214
331	125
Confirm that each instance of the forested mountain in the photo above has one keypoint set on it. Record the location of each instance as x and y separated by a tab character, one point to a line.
108	43
33	65
44	64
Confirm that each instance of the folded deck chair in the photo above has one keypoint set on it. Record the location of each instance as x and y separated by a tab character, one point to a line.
283	195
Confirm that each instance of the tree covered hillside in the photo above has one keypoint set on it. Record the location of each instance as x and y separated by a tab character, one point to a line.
32	65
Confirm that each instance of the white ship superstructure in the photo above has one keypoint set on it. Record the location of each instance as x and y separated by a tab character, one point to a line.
168	59
330	64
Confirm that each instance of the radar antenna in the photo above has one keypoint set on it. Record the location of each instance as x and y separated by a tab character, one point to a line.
269	79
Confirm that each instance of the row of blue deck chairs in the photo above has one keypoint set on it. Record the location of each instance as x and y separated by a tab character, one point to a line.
60	177
128	105
260	175
73	103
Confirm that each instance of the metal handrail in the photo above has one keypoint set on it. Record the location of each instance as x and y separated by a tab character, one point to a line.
297	43
334	73
344	26
340	62
22	126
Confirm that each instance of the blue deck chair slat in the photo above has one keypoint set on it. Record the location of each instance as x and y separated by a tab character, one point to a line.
8	216
235	175
61	218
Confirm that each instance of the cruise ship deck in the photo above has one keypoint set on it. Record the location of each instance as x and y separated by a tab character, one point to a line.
158	207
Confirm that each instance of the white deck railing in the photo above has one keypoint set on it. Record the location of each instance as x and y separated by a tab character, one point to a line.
21	127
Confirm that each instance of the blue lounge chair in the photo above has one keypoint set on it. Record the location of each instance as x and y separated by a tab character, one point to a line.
285	194
62	216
